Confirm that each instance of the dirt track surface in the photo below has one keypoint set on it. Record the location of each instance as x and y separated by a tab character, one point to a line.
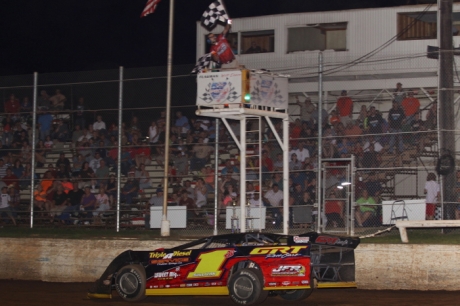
74	294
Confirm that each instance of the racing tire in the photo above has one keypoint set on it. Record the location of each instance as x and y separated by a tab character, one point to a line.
130	283
246	287
296	295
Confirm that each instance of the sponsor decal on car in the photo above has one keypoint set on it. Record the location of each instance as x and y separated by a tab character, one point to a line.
169	261
277	250
298	239
170	255
289	270
165	275
272	284
331	240
286	283
304	282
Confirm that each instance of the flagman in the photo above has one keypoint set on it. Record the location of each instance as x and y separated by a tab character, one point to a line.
221	50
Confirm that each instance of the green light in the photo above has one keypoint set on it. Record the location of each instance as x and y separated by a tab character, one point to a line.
247	97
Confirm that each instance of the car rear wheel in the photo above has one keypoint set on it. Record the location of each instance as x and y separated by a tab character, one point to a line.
296	295
246	287
130	283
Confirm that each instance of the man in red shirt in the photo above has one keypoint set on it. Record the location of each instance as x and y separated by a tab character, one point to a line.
12	106
345	108
221	50
411	105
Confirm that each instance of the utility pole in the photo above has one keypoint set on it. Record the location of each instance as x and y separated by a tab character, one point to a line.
446	113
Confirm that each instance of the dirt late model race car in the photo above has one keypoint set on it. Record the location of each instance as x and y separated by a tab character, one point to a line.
246	266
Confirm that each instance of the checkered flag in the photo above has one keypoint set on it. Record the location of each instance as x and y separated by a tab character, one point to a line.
202	63
213	14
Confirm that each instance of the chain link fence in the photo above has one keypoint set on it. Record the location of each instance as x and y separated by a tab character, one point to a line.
392	133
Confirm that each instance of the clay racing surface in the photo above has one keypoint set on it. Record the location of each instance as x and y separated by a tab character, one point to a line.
74	294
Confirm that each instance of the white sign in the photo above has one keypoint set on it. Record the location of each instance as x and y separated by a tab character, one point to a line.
218	88
267	90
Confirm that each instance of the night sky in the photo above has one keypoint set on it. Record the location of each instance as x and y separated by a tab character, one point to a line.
76	35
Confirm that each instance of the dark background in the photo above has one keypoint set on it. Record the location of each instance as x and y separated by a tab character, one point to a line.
78	35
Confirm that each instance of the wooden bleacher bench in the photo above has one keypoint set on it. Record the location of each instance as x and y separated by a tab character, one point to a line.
403	225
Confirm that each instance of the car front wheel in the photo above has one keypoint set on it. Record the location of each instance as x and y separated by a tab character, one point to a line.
246	287
130	283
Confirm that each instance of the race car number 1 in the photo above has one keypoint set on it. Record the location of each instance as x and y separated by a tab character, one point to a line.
210	264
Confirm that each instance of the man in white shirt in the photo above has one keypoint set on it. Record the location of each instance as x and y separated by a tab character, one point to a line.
99	124
5	201
95	163
274	197
302	153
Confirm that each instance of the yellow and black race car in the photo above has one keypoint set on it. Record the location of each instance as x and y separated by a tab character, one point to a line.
246	266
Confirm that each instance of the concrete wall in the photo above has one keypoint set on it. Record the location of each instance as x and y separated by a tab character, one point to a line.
378	266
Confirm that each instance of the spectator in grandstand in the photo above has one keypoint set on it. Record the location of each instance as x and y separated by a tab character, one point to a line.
296	196
13	107
333	208
99	125
201	193
79	117
74	197
95	163
267	165
158	198
371	140
301	152
102	202
373	187
3	168
396	119
362	117
143	177
112	189
45	120
432	116
154	135
62	160
334	118
86	173
160	153
87	203
142	155
40	154
43	102
60	201
294	163
84	137
192	208
135	127
40	201
102	174
182	125
411	106
374	123
371	158
433	195
399	94
345	107
26	109
274	199
62	172
180	157
229	167
5	205
26	152
306	110
57	101
294	132
60	131
365	208
201	153
278	163
130	189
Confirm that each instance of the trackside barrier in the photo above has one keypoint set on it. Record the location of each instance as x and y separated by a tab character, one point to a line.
403	225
